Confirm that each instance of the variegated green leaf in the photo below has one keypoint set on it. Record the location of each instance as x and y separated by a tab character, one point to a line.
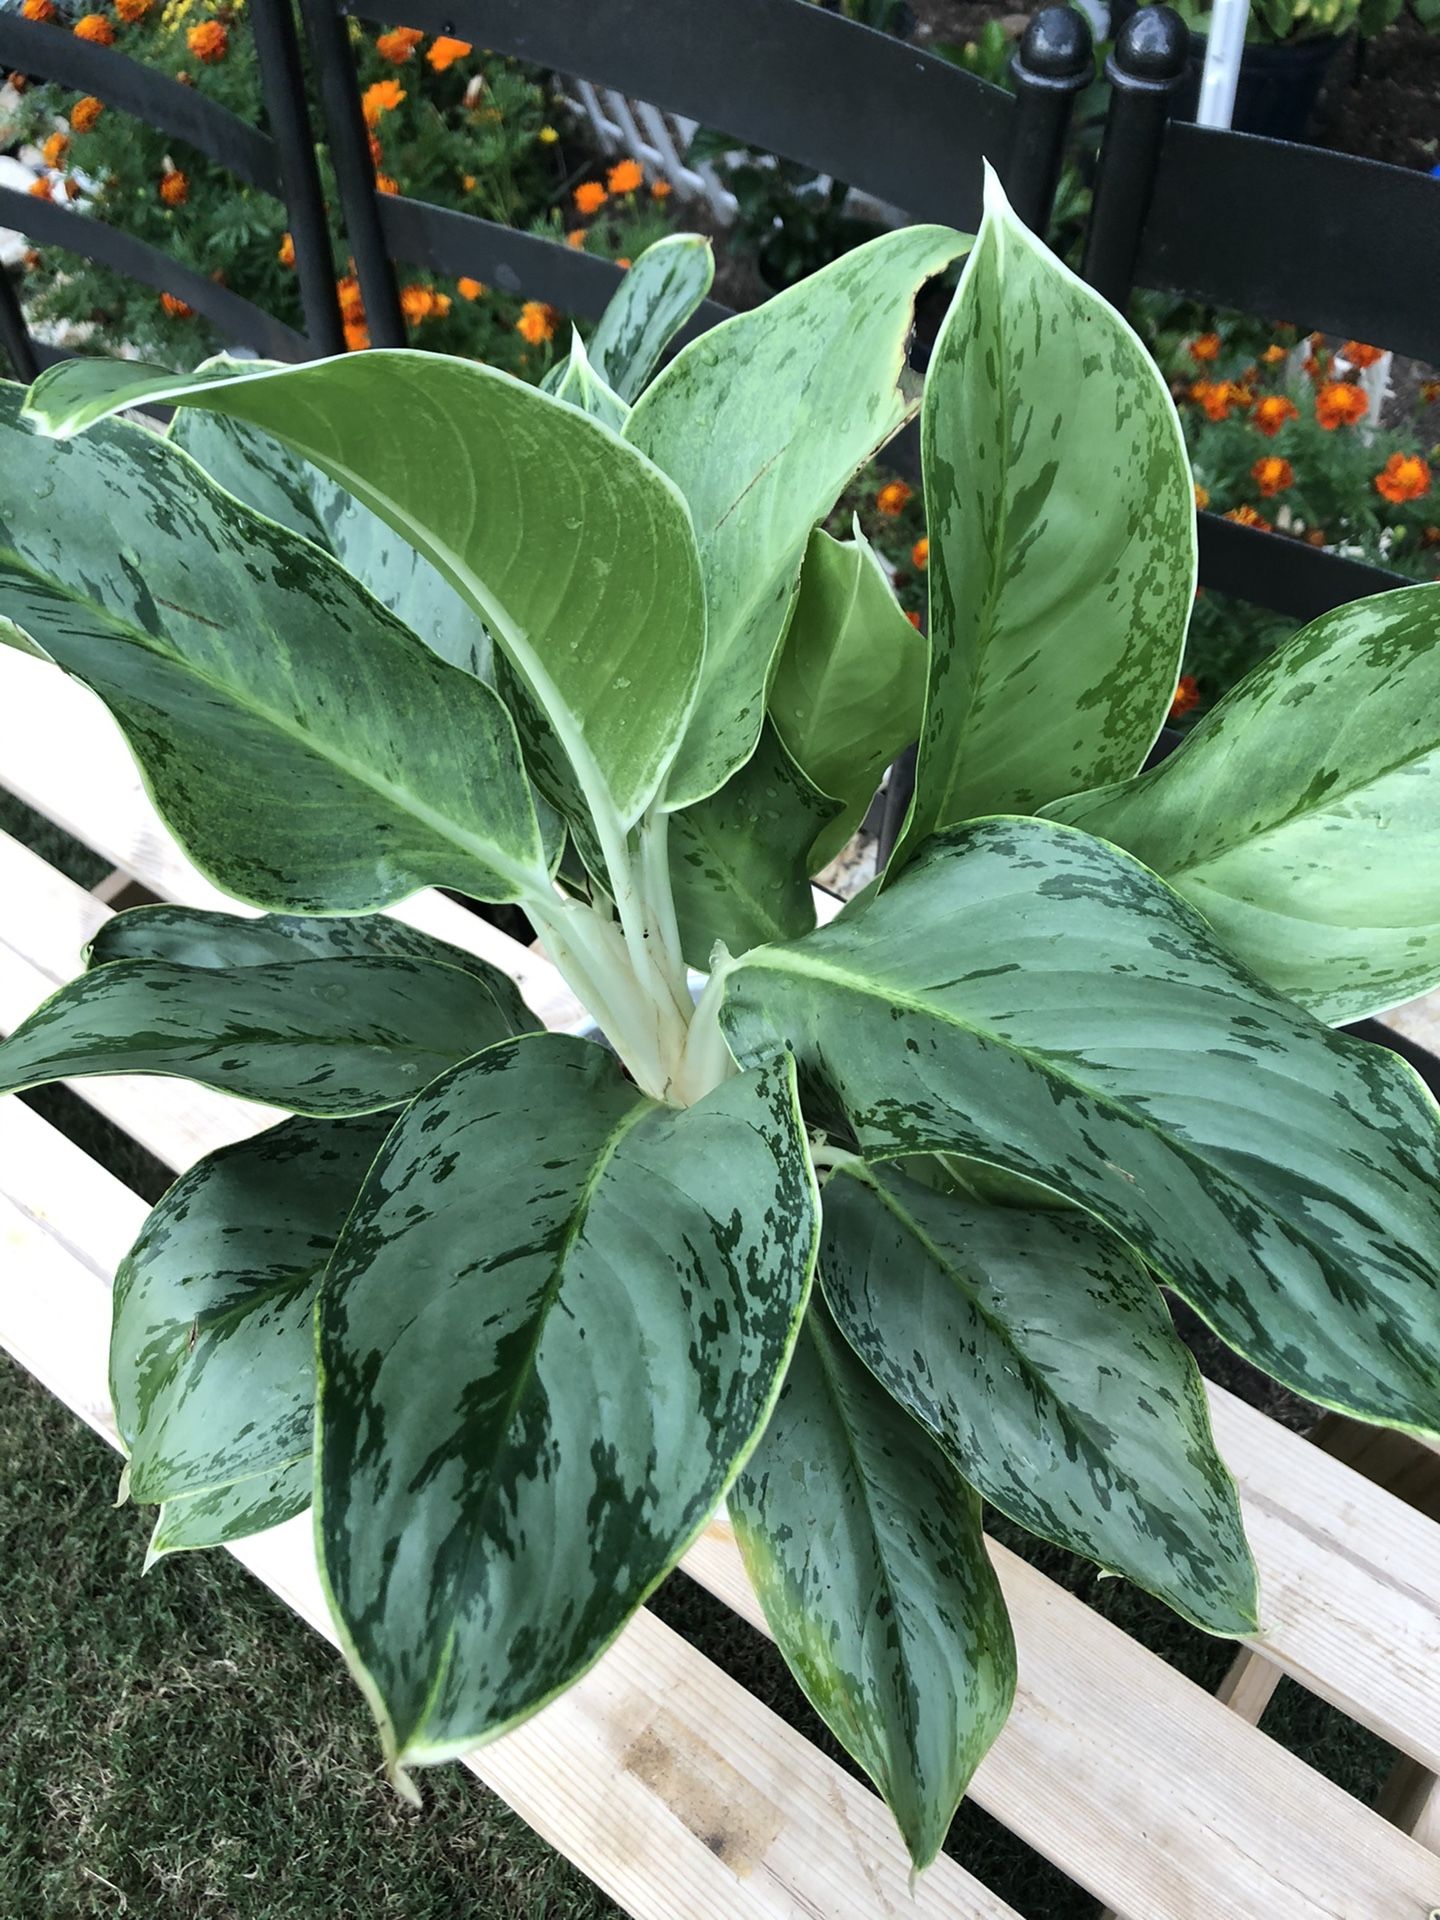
263	472
553	1326
761	422
574	550
1027	996
1040	1355
849	684
1302	816
193	1521
1062	538
319	1037
740	862
196	937
212	1350
864	1546
652	303
576	382
307	750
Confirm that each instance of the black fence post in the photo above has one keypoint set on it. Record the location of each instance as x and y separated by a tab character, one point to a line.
1055	62
1150	57
282	83
15	335
334	62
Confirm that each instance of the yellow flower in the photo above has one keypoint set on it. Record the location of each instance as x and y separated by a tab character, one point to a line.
85	113
381	97
893	498
95	28
590	196
209	42
471	289
444	52
547	136
536	322
626	177
398	45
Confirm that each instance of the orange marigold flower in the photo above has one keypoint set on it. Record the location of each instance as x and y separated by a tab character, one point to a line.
352	306
377	152
444	52
30	260
1216	397
1187	696
174	188
85	113
537	322
1202	497
132	11
1405	476
1338	404
627	176
469	182
177	309
575	237
914	620
357	336
285	253
382	96
1429	536
1205	347
1272	474
1272	412
660	189
398	45
39	9
19	81
1359	355
624	262
386	183
590	196
54	148
209	42
1430	392
39	189
1248	517
95	28
893	498
471	289
920	554
1273	354
419	303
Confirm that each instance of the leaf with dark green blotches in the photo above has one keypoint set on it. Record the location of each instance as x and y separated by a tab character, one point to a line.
308	751
1040	1355
576	382
319	1037
1062	538
197	937
762	422
740	862
575	550
1302	816
193	1521
212	1348
553	1327
658	295
1029	997
864	1547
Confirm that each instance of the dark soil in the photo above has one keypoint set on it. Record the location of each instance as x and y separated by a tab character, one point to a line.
1383	99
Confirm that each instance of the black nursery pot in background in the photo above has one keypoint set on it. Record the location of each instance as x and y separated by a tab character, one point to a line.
1278	86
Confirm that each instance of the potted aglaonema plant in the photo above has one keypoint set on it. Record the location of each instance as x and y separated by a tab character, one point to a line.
874	1230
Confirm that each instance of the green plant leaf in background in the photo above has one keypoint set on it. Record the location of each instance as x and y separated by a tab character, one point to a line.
319	1037
762	422
263	472
659	293
1062	539
740	862
599	605
1040	1355
848	689
864	1547
554	1325
197	937
1302	816
1028	996
193	1521
306	749
212	1351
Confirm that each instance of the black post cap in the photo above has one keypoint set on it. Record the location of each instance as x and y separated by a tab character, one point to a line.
1152	50
1056	50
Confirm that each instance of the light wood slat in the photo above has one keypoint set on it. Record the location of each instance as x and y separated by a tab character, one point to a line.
63	755
663	1779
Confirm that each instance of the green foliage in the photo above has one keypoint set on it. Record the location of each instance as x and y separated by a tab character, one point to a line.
1005	1096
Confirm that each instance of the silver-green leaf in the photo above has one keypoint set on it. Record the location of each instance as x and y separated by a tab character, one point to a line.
658	295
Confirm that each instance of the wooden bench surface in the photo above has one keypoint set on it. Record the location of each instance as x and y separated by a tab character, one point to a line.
663	1779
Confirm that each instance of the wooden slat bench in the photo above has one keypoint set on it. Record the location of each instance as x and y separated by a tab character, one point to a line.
661	1777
